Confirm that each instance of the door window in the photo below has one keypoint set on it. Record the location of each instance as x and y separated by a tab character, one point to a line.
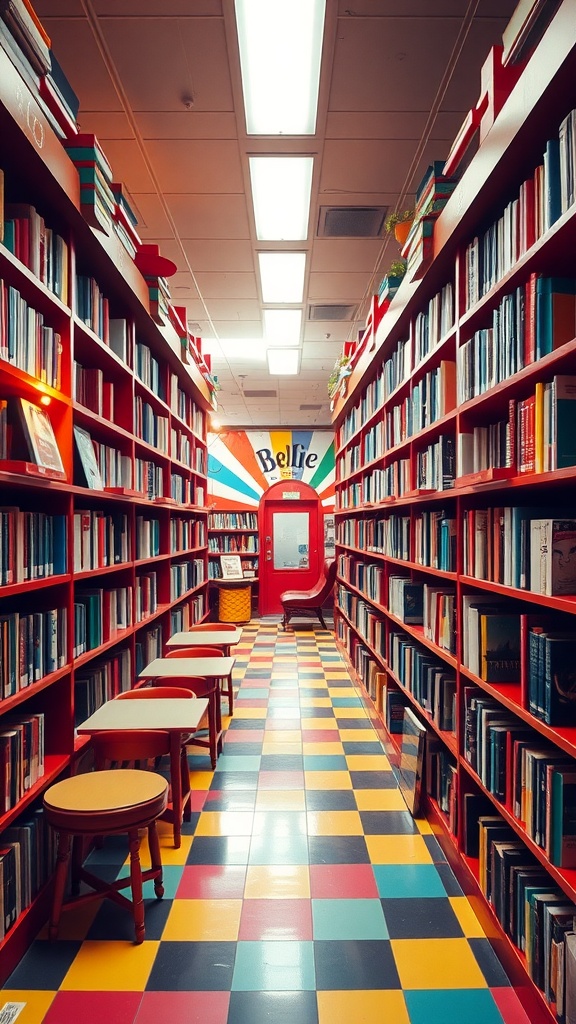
291	540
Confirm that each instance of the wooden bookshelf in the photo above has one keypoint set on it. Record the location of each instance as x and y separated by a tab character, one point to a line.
445	462
94	576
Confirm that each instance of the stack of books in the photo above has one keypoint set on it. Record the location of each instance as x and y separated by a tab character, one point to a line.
124	220
155	270
27	33
60	98
97	200
432	195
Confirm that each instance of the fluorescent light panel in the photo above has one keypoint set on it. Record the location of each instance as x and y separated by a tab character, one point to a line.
283	361
282	326
280	45
243	349
282	276
281	195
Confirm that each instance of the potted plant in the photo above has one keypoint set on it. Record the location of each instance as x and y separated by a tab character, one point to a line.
400	223
392	280
339	373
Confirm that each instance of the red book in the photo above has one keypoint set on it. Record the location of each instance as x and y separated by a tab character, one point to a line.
530	321
526	434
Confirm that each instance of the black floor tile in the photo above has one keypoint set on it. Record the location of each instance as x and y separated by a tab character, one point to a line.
338	850
345	964
388	823
432	918
276	1007
193	967
219	850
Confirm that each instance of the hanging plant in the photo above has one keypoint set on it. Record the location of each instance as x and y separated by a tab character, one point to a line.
342	369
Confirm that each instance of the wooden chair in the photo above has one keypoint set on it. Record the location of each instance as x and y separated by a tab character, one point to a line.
105	803
198	686
309	601
224	649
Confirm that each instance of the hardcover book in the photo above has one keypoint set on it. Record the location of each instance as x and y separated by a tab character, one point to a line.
85	462
39	436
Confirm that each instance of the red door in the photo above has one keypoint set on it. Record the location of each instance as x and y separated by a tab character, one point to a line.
291	541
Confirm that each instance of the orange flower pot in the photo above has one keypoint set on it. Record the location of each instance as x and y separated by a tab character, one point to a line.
402	230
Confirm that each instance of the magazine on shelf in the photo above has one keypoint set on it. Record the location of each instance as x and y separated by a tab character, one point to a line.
39	435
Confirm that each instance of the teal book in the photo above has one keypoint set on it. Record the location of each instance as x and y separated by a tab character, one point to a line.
555	313
563	818
563	432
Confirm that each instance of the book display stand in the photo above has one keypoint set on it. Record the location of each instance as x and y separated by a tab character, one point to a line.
103	521
455	498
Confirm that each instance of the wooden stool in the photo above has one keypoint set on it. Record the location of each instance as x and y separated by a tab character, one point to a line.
106	803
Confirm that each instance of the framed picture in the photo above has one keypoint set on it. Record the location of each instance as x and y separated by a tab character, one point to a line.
231	566
39	436
249	574
409	770
86	460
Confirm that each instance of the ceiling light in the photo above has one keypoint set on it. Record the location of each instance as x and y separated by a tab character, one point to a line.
282	276
281	196
283	361
282	326
280	48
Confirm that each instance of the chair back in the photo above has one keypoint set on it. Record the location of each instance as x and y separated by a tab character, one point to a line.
153	693
196	685
194	652
212	627
122	748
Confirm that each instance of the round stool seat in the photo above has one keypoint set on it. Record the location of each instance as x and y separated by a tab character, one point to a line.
105	801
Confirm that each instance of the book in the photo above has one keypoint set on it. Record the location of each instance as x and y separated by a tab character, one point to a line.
500	647
39	435
85	461
563	817
553	556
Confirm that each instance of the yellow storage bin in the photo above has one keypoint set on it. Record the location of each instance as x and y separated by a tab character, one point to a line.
234	603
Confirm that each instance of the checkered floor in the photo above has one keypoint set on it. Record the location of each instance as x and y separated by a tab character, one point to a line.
303	893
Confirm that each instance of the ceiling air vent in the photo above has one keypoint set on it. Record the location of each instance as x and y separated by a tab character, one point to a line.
331	311
260	394
351	221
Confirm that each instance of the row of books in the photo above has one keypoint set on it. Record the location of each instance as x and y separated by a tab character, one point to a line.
428	679
441	779
431	398
38	247
146	595
187	614
377	485
543	197
186	491
186	534
148	478
521	546
233	521
551	676
26	341
147	368
224	542
185	576
529	323
27	861
147	536
433	323
99	615
532	910
21	756
92	390
184	406
436	465
100	681
395	370
149	426
33	644
100	539
149	646
491	638
365	576
33	545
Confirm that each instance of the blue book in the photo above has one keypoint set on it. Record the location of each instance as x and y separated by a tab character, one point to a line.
553	192
555	313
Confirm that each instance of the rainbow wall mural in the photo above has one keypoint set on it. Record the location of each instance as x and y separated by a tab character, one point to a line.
242	464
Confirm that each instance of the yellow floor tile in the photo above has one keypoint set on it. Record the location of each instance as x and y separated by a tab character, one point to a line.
277	881
316	702
203	921
281	799
357	736
225	823
37	1003
281	737
334	823
111	967
201	780
342	691
362	1007
368	763
322	748
327	780
423	826
467	918
398	850
319	723
380	800
282	749
250	712
350	713
436	963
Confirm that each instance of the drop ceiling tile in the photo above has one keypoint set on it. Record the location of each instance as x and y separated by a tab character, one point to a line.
128	165
227	286
152	219
105	124
186	124
190	51
319	330
344	254
209	216
336	287
196	166
236	309
217	256
157	8
241	329
77	52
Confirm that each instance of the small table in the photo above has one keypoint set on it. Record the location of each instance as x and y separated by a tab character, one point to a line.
224	638
208	668
169	715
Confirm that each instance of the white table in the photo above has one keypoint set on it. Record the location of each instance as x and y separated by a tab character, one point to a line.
224	638
173	715
209	668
